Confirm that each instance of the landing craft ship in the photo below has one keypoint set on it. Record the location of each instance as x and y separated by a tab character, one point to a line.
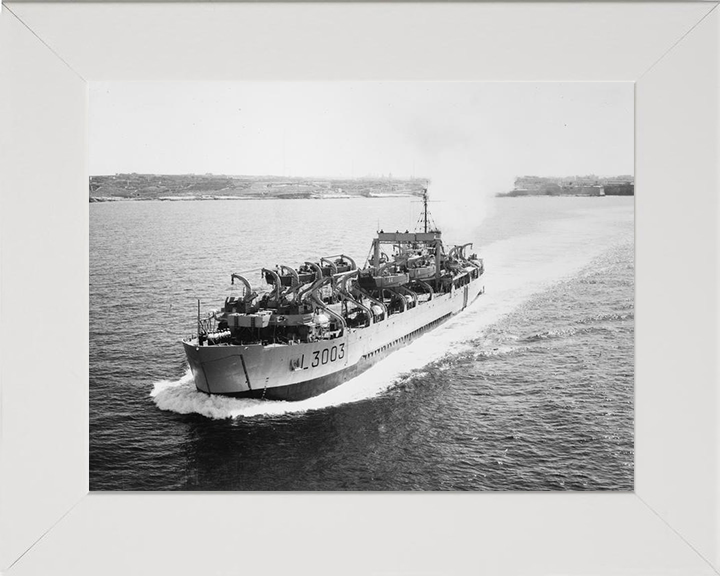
325	322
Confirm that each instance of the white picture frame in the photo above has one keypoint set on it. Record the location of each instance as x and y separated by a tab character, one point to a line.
49	523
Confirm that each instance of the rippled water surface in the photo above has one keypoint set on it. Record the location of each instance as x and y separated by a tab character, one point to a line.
530	388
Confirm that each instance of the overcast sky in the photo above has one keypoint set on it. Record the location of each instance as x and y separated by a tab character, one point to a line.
490	132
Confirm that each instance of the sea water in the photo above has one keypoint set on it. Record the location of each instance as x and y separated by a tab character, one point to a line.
530	388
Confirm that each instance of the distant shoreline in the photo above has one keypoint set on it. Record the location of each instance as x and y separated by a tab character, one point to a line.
590	186
196	187
508	195
110	199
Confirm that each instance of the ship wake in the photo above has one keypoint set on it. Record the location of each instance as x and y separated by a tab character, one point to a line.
516	269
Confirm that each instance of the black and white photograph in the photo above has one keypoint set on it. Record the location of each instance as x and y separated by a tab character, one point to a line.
361	286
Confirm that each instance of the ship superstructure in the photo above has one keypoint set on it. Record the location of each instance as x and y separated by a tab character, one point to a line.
323	322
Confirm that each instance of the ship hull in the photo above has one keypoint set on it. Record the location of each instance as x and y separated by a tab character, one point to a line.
300	371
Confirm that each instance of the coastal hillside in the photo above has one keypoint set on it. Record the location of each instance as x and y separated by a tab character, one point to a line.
572	186
210	187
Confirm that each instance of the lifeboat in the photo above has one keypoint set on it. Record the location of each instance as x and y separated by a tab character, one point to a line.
391	280
290	276
332	265
379	282
422	272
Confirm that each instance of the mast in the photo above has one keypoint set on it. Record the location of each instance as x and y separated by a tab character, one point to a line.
425	211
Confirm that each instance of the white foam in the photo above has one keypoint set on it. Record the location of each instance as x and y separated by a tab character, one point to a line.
516	269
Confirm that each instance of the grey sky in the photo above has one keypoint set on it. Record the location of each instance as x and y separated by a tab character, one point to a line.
485	132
